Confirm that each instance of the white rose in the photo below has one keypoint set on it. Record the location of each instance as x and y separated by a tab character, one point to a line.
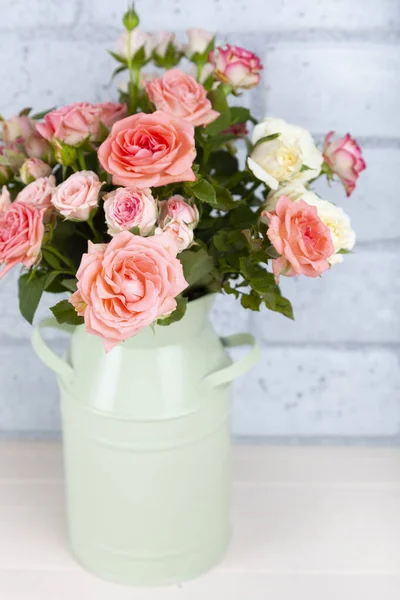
139	39
161	41
280	160
338	222
199	39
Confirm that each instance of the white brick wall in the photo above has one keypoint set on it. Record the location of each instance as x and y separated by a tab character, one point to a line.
328	65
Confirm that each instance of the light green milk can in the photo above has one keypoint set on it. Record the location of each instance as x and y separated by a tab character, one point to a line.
147	447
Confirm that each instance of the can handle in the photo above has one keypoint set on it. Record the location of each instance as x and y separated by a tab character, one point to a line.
242	366
46	354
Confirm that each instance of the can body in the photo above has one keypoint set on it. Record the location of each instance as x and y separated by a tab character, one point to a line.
147	453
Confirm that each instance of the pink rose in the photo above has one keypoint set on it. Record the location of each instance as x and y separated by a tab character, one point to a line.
112	112
199	41
345	159
21	234
236	66
39	193
17	129
77	196
126	285
127	208
180	95
32	169
180	234
72	124
5	199
146	150
177	208
36	146
298	234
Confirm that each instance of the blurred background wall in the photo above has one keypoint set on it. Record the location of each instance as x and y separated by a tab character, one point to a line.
328	64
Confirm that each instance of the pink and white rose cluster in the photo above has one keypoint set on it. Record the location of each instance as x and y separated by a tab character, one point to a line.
178	218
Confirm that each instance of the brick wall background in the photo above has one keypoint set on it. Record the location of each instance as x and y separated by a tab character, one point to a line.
328	65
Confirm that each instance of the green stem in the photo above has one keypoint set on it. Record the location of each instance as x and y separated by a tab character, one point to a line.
133	76
58	254
97	238
81	159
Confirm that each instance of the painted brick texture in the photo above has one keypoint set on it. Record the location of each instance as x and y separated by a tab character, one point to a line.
328	65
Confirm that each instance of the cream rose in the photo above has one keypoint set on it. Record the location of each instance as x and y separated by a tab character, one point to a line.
281	159
77	195
338	222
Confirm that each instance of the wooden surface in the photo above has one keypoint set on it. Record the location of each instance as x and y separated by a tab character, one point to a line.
310	523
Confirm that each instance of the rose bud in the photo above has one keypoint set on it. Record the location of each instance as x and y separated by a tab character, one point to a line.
345	159
32	169
17	129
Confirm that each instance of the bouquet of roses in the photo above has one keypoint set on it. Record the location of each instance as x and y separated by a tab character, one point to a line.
137	207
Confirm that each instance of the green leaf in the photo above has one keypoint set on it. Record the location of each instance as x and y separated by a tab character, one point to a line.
25	111
305	168
221	123
64	312
204	191
218	99
118	57
281	305
251	301
223	164
196	264
69	284
51	260
41	114
266	138
344	251
239	114
224	199
30	290
118	70
178	313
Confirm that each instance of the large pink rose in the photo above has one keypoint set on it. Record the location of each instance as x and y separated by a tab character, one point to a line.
126	285
298	234
345	159
179	209
126	208
39	193
111	112
21	234
236	66
180	95
77	196
72	124
147	150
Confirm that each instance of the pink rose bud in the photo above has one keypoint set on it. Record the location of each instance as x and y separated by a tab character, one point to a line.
180	234
236	66
5	199
39	193
146	150
199	40
345	159
17	129
36	146
72	124
111	112
32	169
128	208
21	234
141	279
180	95
76	197
179	209
301	237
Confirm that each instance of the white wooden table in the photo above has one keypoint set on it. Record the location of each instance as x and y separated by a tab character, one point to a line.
311	523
